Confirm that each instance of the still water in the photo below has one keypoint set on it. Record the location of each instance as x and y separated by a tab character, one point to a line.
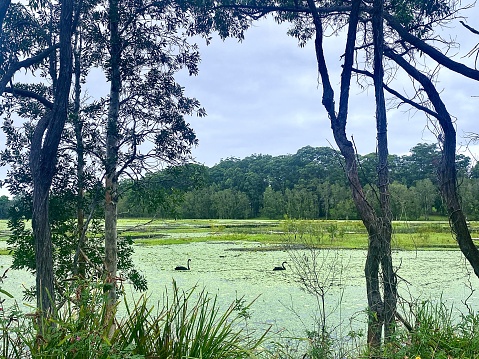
234	270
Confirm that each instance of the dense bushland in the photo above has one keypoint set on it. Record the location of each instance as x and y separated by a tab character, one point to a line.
307	185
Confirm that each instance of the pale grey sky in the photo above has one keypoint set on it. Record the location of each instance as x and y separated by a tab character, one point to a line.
263	96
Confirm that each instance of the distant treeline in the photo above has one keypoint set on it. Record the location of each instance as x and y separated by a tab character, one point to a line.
310	184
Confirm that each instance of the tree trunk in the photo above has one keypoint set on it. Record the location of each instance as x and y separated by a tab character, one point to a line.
79	264
447	170
45	290
379	228
384	224
111	180
43	154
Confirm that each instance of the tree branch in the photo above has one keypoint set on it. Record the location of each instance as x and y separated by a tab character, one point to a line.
30	94
471	29
431	51
14	67
398	95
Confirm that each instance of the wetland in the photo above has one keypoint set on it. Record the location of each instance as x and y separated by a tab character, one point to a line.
234	261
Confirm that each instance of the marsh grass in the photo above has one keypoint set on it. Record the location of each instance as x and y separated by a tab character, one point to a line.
438	332
187	325
336	234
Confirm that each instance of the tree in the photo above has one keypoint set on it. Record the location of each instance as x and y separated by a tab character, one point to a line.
447	170
44	146
273	204
22	36
141	50
5	204
426	193
422	163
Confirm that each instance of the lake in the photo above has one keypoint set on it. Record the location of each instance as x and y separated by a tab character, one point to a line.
234	270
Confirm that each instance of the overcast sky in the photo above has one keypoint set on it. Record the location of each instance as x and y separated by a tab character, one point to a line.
262	96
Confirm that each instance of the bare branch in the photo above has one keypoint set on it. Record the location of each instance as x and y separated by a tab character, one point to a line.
30	94
431	51
398	95
471	29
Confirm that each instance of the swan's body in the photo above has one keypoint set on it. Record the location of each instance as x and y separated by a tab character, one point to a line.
184	268
280	268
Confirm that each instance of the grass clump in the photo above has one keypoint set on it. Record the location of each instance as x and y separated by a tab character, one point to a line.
188	325
437	333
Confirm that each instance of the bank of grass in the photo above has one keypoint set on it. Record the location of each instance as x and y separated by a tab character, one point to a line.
347	234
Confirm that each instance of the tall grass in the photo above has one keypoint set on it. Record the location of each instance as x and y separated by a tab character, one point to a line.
188	325
438	332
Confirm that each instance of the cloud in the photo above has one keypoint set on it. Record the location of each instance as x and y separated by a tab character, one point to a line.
263	96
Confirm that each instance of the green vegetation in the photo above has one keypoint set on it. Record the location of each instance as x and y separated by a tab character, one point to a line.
348	234
4	231
329	234
309	184
187	325
191	324
436	333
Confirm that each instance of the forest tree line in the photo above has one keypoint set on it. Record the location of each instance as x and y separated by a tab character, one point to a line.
309	184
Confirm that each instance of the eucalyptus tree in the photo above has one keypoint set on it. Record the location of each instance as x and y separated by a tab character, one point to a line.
142	124
40	30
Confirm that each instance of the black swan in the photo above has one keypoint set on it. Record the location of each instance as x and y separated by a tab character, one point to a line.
280	268
184	268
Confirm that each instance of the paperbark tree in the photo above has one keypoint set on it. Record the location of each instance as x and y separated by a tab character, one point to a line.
145	125
43	155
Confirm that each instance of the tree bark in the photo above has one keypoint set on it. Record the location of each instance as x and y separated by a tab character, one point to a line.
385	221
43	154
111	179
447	170
379	228
79	263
